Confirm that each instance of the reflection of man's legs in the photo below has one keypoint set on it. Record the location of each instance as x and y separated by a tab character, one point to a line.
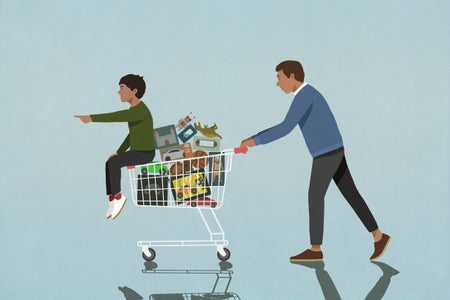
380	288
344	182
329	290
323	169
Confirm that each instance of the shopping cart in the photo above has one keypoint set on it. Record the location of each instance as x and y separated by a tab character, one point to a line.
196	182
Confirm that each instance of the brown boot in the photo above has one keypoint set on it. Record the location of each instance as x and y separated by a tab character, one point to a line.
308	255
380	246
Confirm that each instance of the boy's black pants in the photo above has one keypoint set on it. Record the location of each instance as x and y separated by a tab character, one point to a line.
115	163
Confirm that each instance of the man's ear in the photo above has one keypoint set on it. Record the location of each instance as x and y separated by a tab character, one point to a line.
292	76
135	90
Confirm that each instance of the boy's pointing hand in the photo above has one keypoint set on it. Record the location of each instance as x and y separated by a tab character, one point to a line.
84	119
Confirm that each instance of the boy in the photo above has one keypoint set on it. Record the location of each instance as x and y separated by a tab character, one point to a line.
139	140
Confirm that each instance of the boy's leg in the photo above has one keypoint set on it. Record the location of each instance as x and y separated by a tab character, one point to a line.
115	163
107	178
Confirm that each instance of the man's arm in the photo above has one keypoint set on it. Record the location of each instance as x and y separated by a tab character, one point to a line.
296	112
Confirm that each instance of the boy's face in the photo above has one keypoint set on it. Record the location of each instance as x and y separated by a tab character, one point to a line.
287	84
126	94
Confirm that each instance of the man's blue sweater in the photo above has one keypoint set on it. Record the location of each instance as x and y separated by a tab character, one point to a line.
311	112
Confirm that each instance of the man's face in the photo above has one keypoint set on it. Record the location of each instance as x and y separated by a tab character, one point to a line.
126	94
286	83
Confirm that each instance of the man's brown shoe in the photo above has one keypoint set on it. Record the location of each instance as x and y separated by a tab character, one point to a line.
380	246
308	255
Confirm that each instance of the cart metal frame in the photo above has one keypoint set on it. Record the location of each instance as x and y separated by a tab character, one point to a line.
214	180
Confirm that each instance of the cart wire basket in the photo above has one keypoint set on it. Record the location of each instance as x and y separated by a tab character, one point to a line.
196	182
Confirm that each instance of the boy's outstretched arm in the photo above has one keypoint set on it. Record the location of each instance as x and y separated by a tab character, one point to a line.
85	119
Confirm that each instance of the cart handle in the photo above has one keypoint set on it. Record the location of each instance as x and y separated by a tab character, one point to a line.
241	150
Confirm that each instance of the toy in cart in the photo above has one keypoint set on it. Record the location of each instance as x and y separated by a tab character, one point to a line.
189	186
190	189
203	202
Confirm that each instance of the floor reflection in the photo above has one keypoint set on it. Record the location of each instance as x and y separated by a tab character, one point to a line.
223	275
330	291
220	285
326	283
130	294
382	285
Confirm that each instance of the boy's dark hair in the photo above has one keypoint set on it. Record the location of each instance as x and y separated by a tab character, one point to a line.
134	82
292	67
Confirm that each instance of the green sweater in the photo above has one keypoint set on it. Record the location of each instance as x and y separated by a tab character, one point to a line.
140	125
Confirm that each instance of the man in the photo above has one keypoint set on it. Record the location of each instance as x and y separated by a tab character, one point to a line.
311	113
139	140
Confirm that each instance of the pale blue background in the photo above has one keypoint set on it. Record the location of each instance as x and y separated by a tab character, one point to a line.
382	65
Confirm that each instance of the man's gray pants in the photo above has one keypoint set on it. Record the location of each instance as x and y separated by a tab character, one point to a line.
329	166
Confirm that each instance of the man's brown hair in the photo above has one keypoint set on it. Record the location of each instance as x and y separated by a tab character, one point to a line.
292	67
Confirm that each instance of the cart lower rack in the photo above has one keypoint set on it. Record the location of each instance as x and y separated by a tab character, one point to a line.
197	182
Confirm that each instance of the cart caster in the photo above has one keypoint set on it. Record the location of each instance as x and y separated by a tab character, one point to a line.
225	255
148	254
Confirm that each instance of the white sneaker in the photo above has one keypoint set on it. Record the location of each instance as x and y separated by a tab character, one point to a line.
118	206
110	209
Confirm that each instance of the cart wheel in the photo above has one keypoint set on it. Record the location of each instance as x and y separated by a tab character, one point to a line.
193	204
213	205
226	256
152	255
194	191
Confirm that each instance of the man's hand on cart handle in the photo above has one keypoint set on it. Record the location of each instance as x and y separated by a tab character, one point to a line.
248	143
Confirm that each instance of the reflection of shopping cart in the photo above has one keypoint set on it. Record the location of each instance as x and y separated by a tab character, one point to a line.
219	290
195	183
195	296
